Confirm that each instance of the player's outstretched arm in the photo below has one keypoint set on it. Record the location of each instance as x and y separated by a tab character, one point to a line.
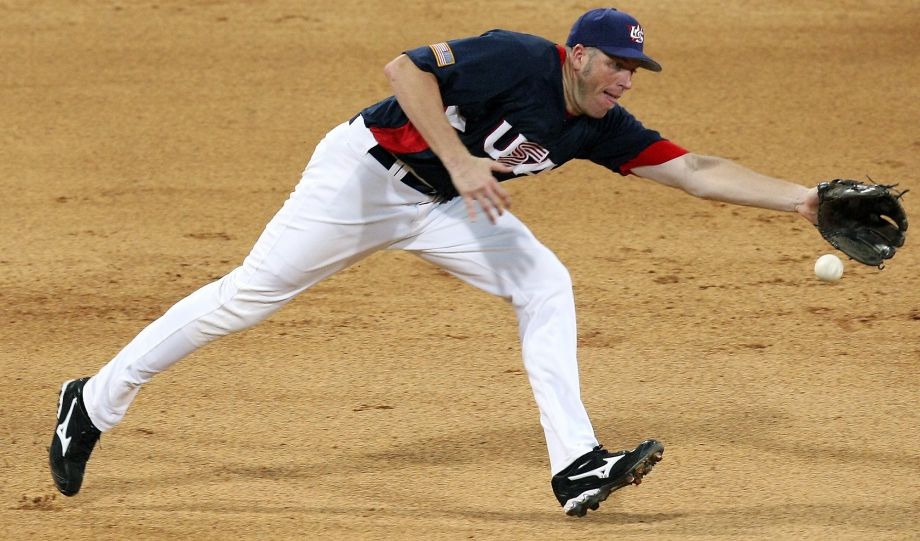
420	98
719	179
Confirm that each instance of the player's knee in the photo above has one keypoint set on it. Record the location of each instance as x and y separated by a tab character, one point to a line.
241	305
554	275
238	313
551	281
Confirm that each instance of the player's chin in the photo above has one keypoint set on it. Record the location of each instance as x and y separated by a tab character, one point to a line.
602	107
600	112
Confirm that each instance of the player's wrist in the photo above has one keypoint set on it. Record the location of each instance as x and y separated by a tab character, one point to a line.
458	162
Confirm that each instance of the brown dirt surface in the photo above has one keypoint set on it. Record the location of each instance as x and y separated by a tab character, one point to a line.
146	143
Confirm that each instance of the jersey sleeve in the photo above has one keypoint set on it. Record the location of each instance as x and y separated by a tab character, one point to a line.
657	153
476	69
623	143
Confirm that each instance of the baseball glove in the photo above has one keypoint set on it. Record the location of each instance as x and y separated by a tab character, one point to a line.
864	221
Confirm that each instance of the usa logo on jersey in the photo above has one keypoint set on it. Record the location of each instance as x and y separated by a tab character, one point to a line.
523	156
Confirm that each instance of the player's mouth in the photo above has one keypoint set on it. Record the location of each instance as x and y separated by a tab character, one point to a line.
611	97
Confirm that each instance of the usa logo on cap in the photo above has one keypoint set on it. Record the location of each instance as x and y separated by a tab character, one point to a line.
636	34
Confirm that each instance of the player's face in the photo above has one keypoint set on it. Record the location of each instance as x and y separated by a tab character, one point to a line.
601	81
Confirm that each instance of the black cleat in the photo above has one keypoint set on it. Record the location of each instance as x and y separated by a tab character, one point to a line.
73	440
592	477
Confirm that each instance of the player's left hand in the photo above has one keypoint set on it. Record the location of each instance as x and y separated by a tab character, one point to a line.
865	221
808	208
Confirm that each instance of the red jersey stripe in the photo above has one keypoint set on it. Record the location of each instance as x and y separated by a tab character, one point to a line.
402	140
655	154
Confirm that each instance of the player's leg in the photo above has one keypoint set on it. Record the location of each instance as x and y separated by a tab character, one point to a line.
336	216
344	208
507	260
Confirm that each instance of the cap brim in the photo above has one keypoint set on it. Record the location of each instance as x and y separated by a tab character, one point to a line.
632	54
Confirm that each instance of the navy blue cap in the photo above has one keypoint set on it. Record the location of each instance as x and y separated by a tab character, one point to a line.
614	32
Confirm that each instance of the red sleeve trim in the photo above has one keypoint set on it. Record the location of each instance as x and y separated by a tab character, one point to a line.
402	140
657	153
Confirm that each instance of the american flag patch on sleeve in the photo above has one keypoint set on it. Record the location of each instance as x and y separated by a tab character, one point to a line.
443	54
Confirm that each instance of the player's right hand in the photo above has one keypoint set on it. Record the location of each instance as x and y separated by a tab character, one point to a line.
475	182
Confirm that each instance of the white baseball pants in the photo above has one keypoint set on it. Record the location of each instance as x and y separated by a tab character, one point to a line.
346	207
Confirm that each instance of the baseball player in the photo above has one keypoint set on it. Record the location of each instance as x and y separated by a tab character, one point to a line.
419	171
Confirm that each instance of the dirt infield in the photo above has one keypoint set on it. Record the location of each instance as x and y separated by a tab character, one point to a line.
145	144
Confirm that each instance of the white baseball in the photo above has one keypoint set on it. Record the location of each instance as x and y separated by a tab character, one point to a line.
829	268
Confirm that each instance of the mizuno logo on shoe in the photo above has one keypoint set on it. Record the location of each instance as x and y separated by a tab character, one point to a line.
601	472
61	430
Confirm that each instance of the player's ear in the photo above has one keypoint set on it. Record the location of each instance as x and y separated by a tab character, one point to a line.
579	55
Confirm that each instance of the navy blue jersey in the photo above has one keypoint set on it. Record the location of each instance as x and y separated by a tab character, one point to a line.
503	94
